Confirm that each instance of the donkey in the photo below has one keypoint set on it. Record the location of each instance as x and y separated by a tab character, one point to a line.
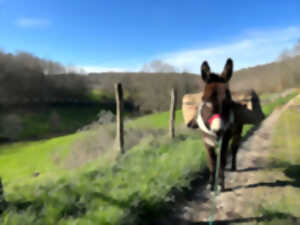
216	120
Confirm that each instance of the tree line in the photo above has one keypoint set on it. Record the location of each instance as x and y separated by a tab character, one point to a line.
27	79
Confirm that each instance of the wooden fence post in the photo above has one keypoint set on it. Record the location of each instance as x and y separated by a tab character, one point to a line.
119	115
172	114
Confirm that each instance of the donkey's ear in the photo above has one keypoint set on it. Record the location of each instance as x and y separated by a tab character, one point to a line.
205	71
227	73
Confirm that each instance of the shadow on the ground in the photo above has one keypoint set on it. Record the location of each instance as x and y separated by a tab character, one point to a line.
277	183
291	171
249	169
166	216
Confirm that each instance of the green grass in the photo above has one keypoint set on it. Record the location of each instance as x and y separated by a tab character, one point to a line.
99	193
156	121
52	121
142	178
269	108
40	122
286	141
18	162
284	206
97	95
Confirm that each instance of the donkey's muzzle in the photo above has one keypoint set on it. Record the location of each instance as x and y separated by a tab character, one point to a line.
216	123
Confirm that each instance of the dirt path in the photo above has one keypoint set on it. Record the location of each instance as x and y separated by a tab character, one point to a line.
246	189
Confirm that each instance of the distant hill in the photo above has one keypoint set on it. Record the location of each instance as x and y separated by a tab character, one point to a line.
151	91
36	104
26	79
274	76
148	91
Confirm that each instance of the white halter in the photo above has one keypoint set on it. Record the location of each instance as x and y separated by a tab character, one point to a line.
201	124
211	141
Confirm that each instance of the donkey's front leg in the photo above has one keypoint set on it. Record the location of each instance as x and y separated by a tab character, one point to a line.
223	153
211	159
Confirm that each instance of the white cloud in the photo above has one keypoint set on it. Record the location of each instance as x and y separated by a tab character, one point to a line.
250	49
32	22
256	47
101	69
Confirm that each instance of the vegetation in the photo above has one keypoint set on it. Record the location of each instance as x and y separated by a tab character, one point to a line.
19	162
30	83
38	98
156	121
269	108
109	190
273	77
65	181
26	80
107	196
150	91
45	122
283	207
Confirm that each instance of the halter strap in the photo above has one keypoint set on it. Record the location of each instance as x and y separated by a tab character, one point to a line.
207	131
201	124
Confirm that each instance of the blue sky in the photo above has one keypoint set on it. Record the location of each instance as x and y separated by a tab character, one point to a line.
124	35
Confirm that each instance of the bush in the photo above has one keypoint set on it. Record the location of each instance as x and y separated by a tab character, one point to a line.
11	126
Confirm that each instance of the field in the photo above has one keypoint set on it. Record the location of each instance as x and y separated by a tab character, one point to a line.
47	122
110	189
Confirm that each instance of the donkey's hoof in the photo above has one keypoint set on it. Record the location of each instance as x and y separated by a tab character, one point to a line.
221	187
210	187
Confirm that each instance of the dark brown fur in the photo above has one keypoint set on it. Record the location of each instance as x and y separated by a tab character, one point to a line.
216	91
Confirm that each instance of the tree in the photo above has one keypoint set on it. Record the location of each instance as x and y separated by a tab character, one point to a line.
159	66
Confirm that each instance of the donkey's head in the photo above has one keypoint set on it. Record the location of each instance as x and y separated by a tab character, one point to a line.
216	109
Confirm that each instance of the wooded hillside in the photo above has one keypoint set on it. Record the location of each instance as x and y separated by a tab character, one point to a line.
26	79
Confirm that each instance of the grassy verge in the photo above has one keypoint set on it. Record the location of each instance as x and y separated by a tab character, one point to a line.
156	121
19	162
107	193
141	179
269	108
283	206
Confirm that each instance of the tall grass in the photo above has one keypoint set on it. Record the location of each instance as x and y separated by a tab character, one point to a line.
118	192
19	162
141	179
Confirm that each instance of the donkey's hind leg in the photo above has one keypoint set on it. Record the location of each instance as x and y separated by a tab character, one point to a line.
235	144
